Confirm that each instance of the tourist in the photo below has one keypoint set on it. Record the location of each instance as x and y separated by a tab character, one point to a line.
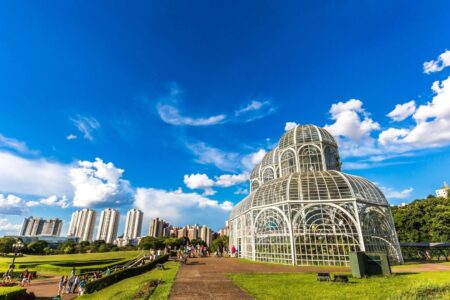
29	277
158	254
73	272
24	278
82	288
62	285
9	274
70	284
75	284
108	271
233	251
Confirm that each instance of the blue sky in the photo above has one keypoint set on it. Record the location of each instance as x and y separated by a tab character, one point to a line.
165	106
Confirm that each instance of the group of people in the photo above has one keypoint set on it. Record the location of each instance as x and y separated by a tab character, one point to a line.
25	276
69	285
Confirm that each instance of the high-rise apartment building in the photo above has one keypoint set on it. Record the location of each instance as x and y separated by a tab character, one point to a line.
206	234
193	232
38	226
159	228
133	224
444	191
82	224
109	223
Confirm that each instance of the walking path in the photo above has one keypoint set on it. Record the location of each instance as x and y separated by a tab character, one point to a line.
204	278
47	288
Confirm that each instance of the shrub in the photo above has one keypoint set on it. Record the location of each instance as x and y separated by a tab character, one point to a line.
118	276
12	293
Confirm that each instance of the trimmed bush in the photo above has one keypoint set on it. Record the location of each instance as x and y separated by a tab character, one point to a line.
118	276
12	293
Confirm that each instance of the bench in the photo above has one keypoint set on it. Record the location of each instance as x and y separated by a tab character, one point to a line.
340	278
323	277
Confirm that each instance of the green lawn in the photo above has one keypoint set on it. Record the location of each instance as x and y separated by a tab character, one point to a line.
125	289
62	264
426	285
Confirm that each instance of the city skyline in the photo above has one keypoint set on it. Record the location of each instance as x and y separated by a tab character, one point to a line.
166	115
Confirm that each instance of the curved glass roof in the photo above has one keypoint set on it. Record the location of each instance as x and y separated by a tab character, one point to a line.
305	134
271	158
315	186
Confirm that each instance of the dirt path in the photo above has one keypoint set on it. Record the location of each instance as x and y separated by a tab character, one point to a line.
204	278
47	288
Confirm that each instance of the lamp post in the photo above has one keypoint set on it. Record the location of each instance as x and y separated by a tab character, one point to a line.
17	246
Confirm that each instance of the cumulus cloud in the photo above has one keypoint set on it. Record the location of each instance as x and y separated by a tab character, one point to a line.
249	161
98	183
290	125
171	115
202	181
181	208
86	125
62	202
7	228
11	205
438	64
402	111
432	119
37	177
241	191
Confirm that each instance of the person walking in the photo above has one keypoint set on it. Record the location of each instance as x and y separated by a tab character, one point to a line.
62	285
75	284
82	288
233	251
24	277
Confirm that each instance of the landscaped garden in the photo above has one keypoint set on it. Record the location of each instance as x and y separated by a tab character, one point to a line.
62	264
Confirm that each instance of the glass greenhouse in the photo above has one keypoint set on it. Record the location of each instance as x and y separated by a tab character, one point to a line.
303	210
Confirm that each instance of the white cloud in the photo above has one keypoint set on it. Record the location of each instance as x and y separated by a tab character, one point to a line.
71	137
37	177
171	115
249	161
226	161
241	191
437	65
254	110
86	125
62	202
390	193
202	181
181	208
98	183
11	205
402	111
290	125
13	144
7	228
432	127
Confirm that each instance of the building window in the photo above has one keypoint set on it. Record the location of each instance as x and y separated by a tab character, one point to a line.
268	175
288	163
331	159
310	159
255	185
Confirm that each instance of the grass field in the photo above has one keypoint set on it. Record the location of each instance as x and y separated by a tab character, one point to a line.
62	264
426	285
125	289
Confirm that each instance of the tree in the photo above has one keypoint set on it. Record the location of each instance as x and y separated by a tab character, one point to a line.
37	247
220	242
6	244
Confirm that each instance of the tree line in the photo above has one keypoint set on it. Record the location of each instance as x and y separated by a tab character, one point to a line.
423	220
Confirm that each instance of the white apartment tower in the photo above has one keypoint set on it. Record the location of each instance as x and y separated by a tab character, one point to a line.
107	228
206	235
133	224
82	224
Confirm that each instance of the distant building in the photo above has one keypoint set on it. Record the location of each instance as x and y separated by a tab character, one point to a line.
193	232
182	232
38	226
53	241
225	230
133	224
159	228
109	223
444	191
206	234
124	241
82	224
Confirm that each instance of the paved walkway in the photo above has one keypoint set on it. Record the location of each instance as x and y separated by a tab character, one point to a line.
47	288
204	278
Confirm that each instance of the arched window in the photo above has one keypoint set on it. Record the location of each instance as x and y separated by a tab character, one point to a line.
288	163
268	175
255	185
331	159
310	159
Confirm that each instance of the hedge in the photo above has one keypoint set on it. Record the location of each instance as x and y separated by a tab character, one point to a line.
16	274
15	293
106	281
